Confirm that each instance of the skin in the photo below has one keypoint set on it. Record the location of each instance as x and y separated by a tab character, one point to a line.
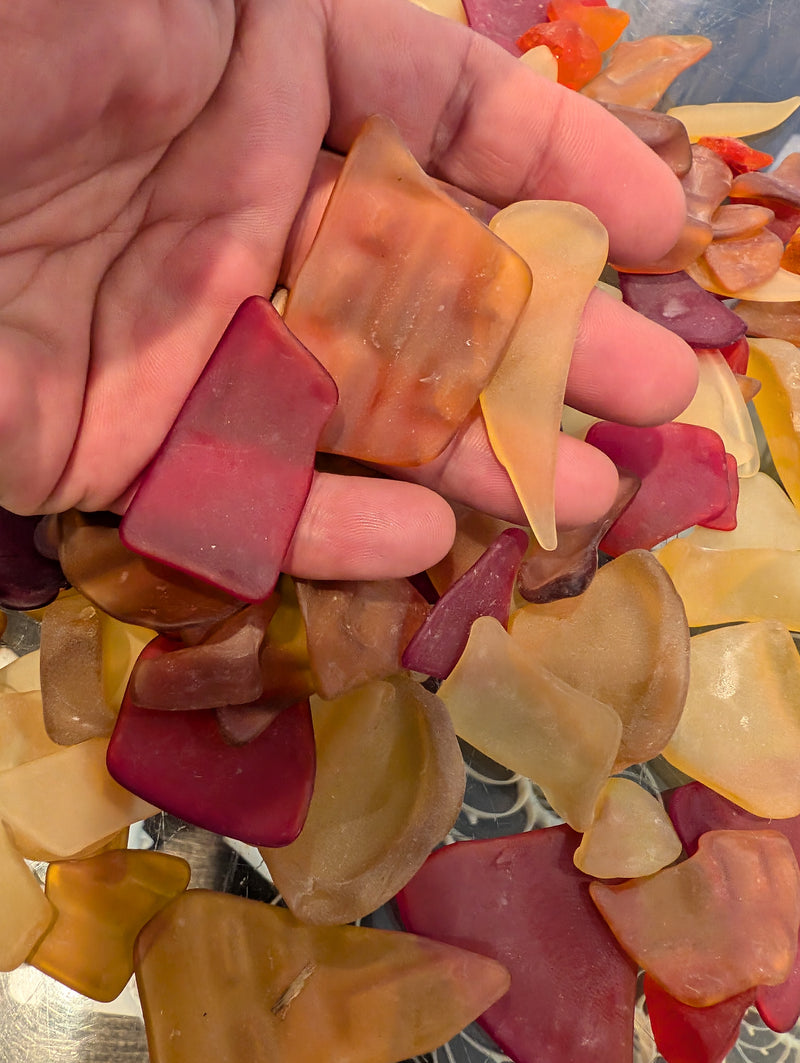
156	158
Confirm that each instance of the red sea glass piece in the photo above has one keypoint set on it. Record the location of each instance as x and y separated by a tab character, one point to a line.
257	793
685	1034
484	590
737	355
521	900
28	579
504	21
726	519
684	480
223	495
578	56
678	303
736	154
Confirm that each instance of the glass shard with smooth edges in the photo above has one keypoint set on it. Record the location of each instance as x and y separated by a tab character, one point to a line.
678	303
26	913
638	73
28	580
774	363
23	735
685	1034
666	136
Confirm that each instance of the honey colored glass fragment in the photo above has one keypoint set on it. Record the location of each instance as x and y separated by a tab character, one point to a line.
631	834
733	119
285	667
721	922
101	905
766	520
542	61
21	675
227	979
66	804
638	73
415	317
666	136
388	788
774	363
782	286
624	642
739	219
740	729
23	735
778	321
745	262
25	913
565	247
506	703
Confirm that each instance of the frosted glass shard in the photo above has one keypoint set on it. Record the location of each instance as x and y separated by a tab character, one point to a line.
766	520
638	73
774	363
699	1035
475	532
733	119
25	913
665	135
681	305
745	262
23	735
779	321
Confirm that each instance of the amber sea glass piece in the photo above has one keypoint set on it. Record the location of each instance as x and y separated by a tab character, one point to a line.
25	913
719	923
23	735
774	362
388	787
779	321
101	905
638	73
285	667
739	219
744	262
415	317
223	495
224	978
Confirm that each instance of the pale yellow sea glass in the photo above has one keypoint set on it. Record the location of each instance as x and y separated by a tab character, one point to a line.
226	979
775	363
733	119
22	674
507	704
740	729
25	913
638	73
631	834
624	642
452	9
66	804
388	787
542	61
102	903
23	736
765	520
565	247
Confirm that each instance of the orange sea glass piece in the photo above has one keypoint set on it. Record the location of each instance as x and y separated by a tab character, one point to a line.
604	25
506	703
740	729
565	247
23	735
722	921
102	903
624	642
790	260
739	220
388	787
226	979
777	321
417	313
638	73
577	54
25	913
745	262
774	362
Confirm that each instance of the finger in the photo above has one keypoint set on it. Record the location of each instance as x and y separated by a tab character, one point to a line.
355	527
475	115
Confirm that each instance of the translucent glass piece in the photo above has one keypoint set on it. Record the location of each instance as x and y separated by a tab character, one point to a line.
782	286
565	247
739	156
733	119
23	735
766	520
604	24
707	183
388	788
698	1035
415	317
638	73
475	532
779	321
25	913
27	578
505	20
742	263
624	642
102	903
678	303
223	495
740	729
578	56
285	667
21	675
739	219
665	135
226	979
719	923
774	363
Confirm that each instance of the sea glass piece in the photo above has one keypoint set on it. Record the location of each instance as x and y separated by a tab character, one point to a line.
578	56
452	9
685	1034
791	253
521	900
257	793
415	317
22	674
740	728
285	667
475	532
693	239
745	262
721	922
725	520
741	119
739	220
767	520
223	495
357	629
624	642
485	590
223	669
631	834
678	303
707	183
28	579
239	724
506	703
774	362
781	186
547	575
388	788
504	21
604	24
26	913
666	136
737	355
542	61
66	804
718	404
130	587
23	735
779	321
683	474
102	903
738	155
782	286
566	247
638	73
226	978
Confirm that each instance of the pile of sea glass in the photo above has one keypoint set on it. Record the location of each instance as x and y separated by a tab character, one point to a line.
180	670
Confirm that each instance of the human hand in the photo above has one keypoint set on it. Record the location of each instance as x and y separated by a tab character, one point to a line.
155	159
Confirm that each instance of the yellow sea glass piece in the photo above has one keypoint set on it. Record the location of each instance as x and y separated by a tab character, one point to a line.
623	642
783	286
507	704
765	520
122	644
23	736
102	903
740	729
631	834
25	913
718	404
388	787
227	979
22	674
775	363
66	804
542	61
733	119
638	73
565	247
452	9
